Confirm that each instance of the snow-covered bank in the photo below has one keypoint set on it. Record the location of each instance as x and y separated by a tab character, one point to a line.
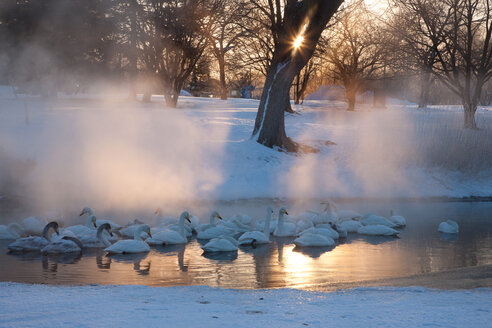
113	154
133	306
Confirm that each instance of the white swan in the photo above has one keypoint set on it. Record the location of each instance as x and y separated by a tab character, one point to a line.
129	246
323	229
377	230
66	244
128	231
329	214
284	229
344	215
397	219
350	226
114	226
211	230
99	238
373	219
234	224
11	231
448	226
211	224
80	230
309	239
171	237
221	244
34	226
34	243
258	237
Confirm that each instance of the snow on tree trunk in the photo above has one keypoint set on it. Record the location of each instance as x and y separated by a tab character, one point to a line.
309	18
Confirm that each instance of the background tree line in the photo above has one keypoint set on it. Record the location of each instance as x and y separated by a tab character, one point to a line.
412	51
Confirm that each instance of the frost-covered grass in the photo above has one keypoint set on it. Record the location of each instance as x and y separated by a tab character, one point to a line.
434	138
139	306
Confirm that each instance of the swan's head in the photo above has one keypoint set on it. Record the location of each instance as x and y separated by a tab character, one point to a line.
105	226
186	216
158	211
54	225
216	214
283	211
146	228
329	205
86	210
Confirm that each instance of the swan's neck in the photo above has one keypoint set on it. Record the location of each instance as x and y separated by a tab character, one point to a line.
181	225
266	228
88	221
280	223
102	237
46	231
138	233
212	219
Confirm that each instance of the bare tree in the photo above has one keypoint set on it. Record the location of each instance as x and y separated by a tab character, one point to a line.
174	42
223	32
354	49
464	61
296	20
419	27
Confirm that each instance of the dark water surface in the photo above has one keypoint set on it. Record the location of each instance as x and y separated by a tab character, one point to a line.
421	249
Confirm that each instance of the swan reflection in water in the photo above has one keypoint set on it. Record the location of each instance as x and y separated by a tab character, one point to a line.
221	256
136	259
171	250
281	243
373	240
313	252
50	262
448	237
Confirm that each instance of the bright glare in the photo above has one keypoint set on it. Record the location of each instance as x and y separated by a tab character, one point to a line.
298	41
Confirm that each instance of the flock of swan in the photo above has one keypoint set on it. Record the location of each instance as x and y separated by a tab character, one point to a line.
310	229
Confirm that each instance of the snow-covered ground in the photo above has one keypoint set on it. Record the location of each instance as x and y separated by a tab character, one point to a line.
139	306
110	153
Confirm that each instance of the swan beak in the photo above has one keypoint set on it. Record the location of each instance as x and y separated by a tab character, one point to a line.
111	234
82	213
95	225
57	231
150	234
285	212
188	219
219	217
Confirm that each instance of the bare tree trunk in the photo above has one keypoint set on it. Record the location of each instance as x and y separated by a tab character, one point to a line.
424	90
297	94
171	97
133	50
311	17
269	123
288	107
146	96
351	94
223	86
426	79
470	110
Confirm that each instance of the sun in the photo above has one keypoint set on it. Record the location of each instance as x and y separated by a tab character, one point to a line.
298	41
